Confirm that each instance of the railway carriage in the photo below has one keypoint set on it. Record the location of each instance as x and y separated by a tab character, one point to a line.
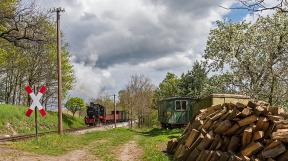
178	111
97	114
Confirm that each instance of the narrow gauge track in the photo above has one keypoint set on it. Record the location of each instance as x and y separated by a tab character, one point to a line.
29	136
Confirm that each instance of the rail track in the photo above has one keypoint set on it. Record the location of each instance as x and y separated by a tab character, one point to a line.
29	136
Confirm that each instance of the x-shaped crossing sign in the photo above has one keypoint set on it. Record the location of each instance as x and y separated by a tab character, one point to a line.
36	101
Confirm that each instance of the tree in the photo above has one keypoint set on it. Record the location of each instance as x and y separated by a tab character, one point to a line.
74	104
194	82
28	54
21	25
169	87
255	54
262	5
105	101
138	99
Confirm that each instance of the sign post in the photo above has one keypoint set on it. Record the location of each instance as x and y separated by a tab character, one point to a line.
36	104
36	123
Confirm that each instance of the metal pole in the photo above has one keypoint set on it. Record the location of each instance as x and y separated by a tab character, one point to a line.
115	110
60	127
36	119
36	122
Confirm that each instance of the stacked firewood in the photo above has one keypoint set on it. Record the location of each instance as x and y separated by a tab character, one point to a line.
234	132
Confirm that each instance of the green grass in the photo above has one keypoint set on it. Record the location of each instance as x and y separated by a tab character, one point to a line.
15	116
102	143
154	142
99	143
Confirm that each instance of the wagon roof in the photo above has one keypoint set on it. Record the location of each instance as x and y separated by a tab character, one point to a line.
177	97
214	95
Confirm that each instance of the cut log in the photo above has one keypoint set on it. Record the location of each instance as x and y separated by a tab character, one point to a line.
248	120
280	134
207	124
276	110
209	157
216	155
215	142
225	116
206	142
197	141
234	114
171	147
192	137
283	124
201	156
272	144
247	136
225	143
234	144
269	131
245	158
283	157
219	114
196	123
209	111
261	110
223	126
275	118
194	154
258	135
274	152
246	112
232	130
251	104
262	124
252	149
179	152
240	105
235	158
224	157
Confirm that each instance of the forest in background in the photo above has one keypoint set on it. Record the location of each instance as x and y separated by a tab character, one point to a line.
243	58
28	53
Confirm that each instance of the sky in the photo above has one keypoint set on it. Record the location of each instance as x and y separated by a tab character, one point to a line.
110	40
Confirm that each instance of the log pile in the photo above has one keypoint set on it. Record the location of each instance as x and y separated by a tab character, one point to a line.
234	132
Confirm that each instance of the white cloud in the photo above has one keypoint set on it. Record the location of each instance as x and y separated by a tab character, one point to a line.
90	81
111	40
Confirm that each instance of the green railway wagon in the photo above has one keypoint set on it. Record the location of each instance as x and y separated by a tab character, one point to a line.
178	111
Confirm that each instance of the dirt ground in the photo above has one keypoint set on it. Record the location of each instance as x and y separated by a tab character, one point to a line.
127	152
8	154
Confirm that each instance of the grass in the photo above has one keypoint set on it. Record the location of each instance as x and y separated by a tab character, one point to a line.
154	142
98	143
17	120
104	143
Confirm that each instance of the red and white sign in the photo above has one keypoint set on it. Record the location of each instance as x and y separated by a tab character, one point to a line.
36	101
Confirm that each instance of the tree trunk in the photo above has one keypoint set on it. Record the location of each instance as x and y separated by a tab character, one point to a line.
272	90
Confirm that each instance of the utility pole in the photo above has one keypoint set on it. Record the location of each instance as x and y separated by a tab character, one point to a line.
115	110
60	127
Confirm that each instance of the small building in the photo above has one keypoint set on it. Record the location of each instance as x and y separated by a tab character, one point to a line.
178	111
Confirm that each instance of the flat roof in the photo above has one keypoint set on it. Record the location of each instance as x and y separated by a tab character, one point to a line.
177	97
214	95
229	96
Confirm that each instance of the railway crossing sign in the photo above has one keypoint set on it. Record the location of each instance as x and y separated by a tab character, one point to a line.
36	101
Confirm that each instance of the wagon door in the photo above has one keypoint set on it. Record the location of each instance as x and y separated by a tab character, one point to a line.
181	112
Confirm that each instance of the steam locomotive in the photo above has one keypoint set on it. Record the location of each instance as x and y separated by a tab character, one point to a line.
96	114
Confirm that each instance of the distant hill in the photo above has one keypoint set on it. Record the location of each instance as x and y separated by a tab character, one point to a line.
14	121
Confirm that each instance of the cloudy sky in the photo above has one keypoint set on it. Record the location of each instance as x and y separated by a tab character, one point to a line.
110	40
